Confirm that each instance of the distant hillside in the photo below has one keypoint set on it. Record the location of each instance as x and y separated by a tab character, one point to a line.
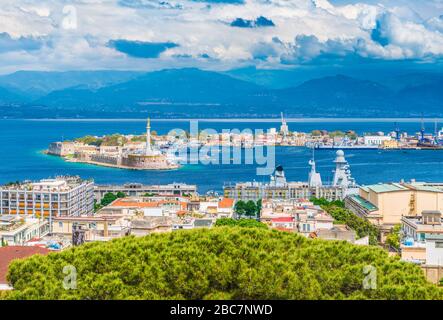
39	83
338	94
9	96
197	93
175	90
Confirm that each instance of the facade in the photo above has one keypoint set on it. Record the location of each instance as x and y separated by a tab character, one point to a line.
18	231
95	228
48	198
385	204
434	249
300	216
422	241
376	140
139	190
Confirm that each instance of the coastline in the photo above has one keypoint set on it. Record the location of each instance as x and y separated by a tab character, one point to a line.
236	120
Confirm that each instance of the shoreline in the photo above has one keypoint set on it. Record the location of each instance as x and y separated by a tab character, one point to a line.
101	164
238	120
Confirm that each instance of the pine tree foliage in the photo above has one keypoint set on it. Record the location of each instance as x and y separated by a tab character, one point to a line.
219	263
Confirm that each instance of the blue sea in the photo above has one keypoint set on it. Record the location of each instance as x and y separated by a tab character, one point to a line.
24	140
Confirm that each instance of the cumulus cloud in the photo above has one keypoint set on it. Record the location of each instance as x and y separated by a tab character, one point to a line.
214	34
7	43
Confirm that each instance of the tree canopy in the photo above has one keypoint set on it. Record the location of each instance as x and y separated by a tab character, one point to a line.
248	223
249	208
220	263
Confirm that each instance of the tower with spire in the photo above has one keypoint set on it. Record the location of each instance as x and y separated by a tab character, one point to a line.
284	130
148	149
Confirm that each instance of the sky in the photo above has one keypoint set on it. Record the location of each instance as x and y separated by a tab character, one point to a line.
64	35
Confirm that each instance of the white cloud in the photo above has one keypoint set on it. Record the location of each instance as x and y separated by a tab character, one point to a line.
304	30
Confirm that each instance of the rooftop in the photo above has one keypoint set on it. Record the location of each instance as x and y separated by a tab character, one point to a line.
364	203
7	254
61	183
386	187
226	203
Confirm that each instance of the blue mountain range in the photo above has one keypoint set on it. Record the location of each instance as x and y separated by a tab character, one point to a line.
197	93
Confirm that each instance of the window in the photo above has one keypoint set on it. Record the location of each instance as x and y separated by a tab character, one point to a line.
439	244
60	224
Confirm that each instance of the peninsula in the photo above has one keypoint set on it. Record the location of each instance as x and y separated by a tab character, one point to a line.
118	151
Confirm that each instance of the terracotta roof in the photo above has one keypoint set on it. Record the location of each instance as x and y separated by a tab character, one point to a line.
283	219
9	253
148	204
123	203
226	203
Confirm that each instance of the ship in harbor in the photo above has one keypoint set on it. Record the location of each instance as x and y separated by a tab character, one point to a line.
427	142
344	144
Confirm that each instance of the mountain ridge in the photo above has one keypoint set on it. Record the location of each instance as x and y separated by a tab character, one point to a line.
190	92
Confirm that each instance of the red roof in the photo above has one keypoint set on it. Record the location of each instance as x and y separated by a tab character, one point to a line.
9	253
226	203
283	219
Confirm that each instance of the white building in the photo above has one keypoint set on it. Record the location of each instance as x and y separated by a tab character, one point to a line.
62	196
17	231
376	140
434	249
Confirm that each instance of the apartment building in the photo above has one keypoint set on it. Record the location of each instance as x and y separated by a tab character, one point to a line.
48	198
385	204
140	190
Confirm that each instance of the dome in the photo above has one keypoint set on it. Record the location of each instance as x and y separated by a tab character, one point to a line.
340	153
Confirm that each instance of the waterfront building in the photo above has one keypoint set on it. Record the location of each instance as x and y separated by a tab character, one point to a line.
140	190
63	196
390	144
375	140
385	204
61	149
